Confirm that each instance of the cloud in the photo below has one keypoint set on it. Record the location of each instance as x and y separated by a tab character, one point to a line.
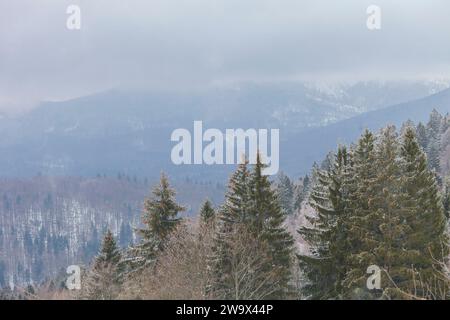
185	44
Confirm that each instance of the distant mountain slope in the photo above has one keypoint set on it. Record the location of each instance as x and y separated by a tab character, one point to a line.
300	150
129	132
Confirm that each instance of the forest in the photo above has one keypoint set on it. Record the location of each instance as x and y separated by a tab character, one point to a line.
381	201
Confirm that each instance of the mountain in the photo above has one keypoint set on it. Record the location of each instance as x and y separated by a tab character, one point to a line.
301	150
129	132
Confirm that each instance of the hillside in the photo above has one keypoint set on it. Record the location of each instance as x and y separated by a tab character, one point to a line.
48	223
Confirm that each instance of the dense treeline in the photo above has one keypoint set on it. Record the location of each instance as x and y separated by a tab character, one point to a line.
378	204
238	251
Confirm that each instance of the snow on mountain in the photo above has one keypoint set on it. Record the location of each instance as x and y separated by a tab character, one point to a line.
122	131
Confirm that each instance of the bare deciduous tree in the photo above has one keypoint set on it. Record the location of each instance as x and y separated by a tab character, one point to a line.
180	272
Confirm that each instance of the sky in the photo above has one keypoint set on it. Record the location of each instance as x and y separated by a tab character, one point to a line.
175	45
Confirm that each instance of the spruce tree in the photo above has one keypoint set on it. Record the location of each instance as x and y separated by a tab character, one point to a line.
160	218
251	205
390	210
433	153
301	192
445	123
434	125
386	229
422	136
446	197
104	279
207	222
325	266
361	224
234	211
316	266
285	192
207	212
342	196
434	132
426	220
269	227
377	204
237	204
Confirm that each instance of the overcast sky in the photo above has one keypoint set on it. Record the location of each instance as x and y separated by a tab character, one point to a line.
192	44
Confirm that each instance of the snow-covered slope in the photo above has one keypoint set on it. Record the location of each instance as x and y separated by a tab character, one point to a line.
119	131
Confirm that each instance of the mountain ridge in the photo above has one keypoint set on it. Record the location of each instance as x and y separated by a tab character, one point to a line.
348	130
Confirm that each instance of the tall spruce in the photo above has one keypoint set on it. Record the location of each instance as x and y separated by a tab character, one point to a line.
269	227
342	197
237	204
361	224
324	267
316	265
160	218
390	210
426	220
234	211
252	205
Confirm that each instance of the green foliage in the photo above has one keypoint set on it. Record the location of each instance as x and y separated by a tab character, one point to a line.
285	193
207	213
324	268
105	278
160	218
252	205
378	204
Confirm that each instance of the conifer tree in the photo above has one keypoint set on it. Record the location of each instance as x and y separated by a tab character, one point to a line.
378	204
433	152
252	205
269	227
237	204
301	192
426	219
317	269
446	197
105	277
389	208
234	211
160	218
361	224
389	211
405	125
325	266
285	192
207	222
434	125
422	136
434	132
207	212
445	123
341	191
